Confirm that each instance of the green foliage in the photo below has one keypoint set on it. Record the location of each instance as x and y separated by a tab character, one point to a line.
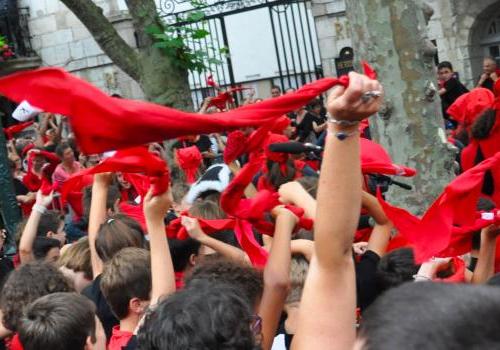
178	40
2	41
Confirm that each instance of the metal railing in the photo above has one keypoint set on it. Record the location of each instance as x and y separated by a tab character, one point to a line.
14	27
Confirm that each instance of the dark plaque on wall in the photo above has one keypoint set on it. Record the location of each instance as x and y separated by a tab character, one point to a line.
345	63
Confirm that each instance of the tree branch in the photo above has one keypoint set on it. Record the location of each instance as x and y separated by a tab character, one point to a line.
106	36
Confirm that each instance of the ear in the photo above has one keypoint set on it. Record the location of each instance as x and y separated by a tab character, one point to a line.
135	306
192	259
50	234
88	344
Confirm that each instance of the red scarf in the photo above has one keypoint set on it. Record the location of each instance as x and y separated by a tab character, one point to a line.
468	107
134	160
103	123
189	159
432	234
13	130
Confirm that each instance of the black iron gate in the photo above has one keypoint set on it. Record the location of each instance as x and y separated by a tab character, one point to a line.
293	34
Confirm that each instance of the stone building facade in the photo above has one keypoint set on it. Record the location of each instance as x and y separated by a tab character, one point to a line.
464	32
60	39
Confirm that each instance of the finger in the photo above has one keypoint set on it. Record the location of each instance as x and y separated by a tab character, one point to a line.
335	93
149	195
356	88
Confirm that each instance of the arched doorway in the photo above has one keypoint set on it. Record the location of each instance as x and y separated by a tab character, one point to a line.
484	39
491	39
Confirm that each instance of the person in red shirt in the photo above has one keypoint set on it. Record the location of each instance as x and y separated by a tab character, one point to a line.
134	279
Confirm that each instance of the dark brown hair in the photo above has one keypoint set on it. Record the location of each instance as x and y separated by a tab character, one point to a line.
118	232
25	285
127	275
58	321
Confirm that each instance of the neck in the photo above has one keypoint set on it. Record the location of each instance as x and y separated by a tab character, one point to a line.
129	324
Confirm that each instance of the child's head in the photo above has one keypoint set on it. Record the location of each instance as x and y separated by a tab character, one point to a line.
52	226
126	282
396	268
184	253
445	71
46	249
25	285
221	270
61	321
206	316
112	200
76	265
116	233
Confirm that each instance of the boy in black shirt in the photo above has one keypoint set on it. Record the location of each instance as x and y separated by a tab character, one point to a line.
450	87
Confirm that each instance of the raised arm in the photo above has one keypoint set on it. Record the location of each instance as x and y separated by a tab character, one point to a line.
276	276
327	313
381	233
294	193
485	268
97	216
29	233
194	231
162	268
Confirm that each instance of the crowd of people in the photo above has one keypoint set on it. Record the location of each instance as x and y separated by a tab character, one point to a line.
222	240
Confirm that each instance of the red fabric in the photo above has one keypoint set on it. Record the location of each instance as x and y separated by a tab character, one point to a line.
15	343
210	81
47	186
432	234
368	70
134	160
135	212
26	148
496	88
12	130
277	157
32	181
113	121
471	105
179	280
235	146
119	339
250	212
222	99
375	159
459	272
189	159
238	144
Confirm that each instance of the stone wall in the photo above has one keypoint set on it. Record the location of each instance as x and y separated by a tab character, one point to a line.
456	26
60	39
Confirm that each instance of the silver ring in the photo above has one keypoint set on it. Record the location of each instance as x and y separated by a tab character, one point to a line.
367	96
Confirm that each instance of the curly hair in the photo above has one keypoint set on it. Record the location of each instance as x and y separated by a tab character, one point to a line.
205	316
25	285
222	270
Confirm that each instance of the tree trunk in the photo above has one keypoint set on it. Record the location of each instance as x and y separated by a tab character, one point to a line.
161	81
392	35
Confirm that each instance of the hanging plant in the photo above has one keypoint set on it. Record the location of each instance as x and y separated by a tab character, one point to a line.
5	50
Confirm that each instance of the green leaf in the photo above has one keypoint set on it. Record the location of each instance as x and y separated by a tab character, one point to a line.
153	29
200	34
214	61
224	50
195	16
